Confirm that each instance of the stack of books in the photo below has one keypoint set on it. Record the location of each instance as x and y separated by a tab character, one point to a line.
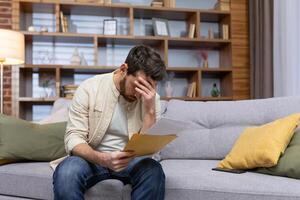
191	92
63	22
69	90
157	4
223	5
225	32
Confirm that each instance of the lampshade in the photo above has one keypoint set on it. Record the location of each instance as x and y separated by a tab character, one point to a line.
12	50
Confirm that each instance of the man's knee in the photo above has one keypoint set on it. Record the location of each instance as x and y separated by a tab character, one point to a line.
70	168
150	167
68	176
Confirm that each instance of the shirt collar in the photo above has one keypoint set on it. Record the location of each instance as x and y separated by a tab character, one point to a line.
114	87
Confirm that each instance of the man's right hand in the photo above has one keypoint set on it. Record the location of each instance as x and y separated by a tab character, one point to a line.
117	160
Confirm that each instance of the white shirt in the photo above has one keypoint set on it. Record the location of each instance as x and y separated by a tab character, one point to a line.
117	135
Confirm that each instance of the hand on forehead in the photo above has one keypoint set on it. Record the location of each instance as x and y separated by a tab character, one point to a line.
141	77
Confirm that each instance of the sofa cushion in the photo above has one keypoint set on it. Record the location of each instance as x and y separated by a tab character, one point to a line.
261	146
188	179
194	179
34	180
22	140
289	163
220	123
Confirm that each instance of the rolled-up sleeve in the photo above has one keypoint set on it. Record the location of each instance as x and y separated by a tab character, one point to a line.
77	126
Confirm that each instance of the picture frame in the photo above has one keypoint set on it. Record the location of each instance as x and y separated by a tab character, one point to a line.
161	27
110	27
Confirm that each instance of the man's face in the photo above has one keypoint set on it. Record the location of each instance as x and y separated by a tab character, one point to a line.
127	86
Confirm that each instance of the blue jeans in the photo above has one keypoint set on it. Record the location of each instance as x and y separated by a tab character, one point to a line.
75	175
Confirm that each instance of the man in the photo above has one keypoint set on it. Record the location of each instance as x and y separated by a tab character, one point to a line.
106	110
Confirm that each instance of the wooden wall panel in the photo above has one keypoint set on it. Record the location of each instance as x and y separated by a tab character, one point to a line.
240	49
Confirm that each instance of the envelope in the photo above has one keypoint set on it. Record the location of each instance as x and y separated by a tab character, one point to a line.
144	144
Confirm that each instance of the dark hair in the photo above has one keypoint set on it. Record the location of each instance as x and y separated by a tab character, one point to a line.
146	59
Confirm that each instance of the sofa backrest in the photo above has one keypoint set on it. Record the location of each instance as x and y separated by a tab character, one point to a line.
215	126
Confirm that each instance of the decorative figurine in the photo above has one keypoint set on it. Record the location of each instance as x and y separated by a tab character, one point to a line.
75	59
215	92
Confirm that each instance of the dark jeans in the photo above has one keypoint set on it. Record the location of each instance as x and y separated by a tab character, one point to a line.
75	175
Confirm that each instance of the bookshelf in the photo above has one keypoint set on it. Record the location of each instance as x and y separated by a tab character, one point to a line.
104	53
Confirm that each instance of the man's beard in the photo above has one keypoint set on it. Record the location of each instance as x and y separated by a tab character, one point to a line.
123	91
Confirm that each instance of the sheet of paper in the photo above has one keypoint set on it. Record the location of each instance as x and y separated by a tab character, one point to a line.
144	144
168	126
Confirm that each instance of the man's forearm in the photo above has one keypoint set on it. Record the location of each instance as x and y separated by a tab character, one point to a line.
148	121
89	154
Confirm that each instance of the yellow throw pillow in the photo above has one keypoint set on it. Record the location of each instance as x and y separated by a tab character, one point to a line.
261	146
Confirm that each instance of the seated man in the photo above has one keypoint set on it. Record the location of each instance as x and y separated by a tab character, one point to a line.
106	110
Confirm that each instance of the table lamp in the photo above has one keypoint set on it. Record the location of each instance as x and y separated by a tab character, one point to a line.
12	52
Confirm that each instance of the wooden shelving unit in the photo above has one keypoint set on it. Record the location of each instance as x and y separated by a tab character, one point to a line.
96	45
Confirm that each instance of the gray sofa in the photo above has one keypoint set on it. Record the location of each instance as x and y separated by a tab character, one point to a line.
187	161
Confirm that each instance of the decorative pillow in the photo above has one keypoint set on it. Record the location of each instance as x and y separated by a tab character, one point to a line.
261	146
289	163
21	140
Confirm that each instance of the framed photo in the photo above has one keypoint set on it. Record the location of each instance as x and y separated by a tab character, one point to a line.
110	27
161	27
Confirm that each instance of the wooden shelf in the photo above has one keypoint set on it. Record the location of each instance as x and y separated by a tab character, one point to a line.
213	15
37	100
217	70
172	40
125	5
175	69
46	66
183	69
181	98
216	98
95	46
198	43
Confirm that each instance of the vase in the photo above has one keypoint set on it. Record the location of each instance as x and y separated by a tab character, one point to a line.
205	63
83	60
168	89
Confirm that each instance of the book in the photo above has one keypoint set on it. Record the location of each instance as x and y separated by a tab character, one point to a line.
192	30
166	3
194	90
191	90
172	3
62	22
66	24
225	32
145	144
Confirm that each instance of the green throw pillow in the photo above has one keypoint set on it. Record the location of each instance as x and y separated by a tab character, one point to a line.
289	163
21	140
